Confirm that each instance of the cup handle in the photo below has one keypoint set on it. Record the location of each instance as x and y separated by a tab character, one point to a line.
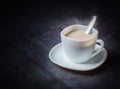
101	43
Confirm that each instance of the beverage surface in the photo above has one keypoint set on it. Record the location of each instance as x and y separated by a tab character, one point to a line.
79	35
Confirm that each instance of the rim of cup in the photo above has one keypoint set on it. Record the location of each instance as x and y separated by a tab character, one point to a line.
95	31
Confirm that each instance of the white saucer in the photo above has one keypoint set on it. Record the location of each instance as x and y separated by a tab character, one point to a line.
58	57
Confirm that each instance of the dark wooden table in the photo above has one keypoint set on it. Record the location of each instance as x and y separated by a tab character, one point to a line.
30	30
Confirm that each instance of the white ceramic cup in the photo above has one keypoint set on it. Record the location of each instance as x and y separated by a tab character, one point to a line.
80	51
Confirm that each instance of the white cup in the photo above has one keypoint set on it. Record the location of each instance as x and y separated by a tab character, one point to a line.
80	51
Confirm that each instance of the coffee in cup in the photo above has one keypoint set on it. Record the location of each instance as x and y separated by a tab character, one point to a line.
79	35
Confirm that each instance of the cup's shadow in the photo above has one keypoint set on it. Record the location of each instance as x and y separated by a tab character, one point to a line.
91	72
105	66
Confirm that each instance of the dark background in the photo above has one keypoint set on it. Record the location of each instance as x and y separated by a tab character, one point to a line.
28	31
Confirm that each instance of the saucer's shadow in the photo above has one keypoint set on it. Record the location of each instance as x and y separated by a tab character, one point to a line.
100	69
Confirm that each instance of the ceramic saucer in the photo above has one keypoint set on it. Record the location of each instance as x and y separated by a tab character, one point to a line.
58	57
